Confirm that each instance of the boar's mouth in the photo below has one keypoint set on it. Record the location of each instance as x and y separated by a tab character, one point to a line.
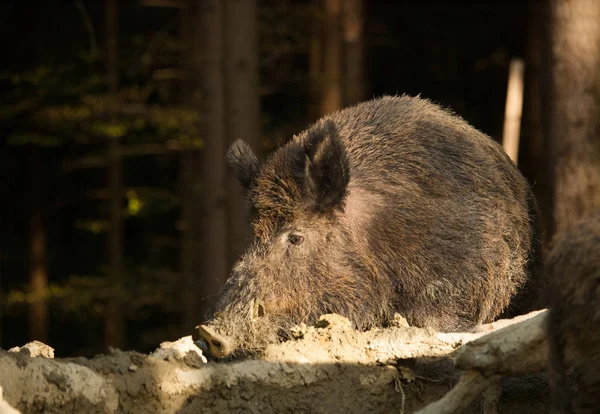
219	346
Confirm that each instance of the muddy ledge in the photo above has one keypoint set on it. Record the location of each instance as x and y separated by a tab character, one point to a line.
330	368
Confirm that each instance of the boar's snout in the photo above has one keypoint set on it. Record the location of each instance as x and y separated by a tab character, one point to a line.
219	346
237	327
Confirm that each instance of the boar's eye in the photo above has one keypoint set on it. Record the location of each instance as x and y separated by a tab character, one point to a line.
295	239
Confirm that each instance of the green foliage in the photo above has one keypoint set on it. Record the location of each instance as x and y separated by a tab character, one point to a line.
87	295
32	138
70	103
134	204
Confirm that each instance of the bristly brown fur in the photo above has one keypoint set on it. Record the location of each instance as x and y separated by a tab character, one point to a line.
393	205
243	161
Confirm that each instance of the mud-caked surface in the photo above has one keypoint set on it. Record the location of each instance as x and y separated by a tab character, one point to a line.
328	368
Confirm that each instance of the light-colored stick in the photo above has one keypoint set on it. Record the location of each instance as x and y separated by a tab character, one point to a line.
515	349
514	109
469	387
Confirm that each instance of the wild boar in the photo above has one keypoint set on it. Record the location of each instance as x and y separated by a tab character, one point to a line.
392	205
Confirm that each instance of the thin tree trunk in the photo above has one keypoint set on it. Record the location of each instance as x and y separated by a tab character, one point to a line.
113	322
38	272
241	61
214	252
316	61
189	165
574	118
332	57
534	145
354	76
190	289
514	109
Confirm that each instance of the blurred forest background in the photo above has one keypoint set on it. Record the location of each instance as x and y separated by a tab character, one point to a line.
119	217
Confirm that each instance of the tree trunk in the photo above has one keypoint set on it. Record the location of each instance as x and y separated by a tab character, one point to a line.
534	145
38	272
188	175
574	116
189	240
243	120
214	252
113	318
354	76
315	71
332	58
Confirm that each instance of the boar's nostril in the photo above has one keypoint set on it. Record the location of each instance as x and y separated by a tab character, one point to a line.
217	344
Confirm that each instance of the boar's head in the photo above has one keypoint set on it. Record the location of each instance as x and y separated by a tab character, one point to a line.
303	261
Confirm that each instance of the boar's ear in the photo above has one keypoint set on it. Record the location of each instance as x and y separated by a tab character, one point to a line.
327	168
243	161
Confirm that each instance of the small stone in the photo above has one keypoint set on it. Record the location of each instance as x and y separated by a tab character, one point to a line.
35	349
178	350
399	321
